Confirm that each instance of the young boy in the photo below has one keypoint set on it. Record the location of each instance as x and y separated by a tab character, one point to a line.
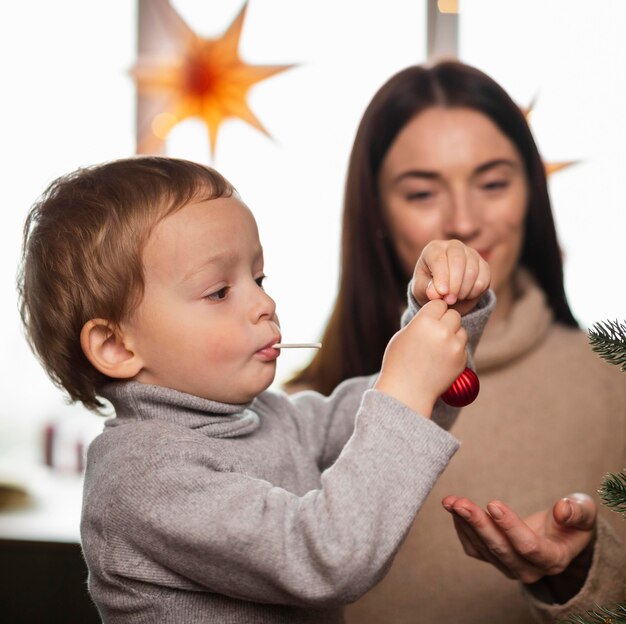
206	498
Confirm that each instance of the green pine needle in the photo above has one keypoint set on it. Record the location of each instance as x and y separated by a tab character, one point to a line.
613	491
608	339
617	615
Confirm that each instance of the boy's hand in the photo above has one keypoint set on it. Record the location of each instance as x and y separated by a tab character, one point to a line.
424	357
451	271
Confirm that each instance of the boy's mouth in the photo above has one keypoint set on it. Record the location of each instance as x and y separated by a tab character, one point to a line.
268	353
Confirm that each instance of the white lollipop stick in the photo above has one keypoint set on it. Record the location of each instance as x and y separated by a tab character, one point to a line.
297	345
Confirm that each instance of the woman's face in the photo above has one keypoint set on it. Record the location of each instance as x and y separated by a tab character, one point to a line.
451	173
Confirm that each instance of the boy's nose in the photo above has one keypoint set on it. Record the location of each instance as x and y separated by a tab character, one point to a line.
264	307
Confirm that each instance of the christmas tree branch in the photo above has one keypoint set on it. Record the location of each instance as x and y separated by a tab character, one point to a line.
617	615
608	339
613	491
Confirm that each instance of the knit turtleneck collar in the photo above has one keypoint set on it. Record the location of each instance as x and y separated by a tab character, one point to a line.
525	327
135	401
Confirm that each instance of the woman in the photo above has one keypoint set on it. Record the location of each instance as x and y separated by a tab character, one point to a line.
443	152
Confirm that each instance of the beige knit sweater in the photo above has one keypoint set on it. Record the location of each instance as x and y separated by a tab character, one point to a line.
549	421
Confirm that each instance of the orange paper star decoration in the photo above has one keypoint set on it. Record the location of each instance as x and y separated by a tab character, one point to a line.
550	167
183	75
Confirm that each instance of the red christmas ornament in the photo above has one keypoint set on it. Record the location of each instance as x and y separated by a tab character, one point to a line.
463	391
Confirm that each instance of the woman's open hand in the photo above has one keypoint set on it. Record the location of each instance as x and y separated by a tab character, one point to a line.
544	543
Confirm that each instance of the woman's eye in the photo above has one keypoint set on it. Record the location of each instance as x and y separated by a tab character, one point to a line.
420	195
259	280
495	185
218	295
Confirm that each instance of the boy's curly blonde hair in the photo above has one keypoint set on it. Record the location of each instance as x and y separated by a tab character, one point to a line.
82	254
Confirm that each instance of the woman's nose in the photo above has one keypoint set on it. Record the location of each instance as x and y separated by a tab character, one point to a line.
462	219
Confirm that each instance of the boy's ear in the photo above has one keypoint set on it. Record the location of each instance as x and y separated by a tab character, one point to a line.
104	346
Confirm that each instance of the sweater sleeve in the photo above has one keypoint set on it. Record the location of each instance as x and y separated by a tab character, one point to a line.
224	531
474	323
326	423
605	584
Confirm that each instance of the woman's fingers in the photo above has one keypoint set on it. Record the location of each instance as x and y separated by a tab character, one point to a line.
495	543
527	549
531	548
474	546
483	527
577	511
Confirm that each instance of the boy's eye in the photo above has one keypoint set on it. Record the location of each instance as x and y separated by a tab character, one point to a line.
218	295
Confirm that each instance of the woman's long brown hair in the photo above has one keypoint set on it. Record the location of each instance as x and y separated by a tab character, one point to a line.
372	284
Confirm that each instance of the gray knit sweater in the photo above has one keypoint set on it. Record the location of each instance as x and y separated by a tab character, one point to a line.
279	511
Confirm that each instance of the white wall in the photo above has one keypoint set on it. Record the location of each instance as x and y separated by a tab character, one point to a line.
72	103
571	56
68	101
344	51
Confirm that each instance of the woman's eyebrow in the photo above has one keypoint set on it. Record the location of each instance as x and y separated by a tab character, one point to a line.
435	175
416	173
496	162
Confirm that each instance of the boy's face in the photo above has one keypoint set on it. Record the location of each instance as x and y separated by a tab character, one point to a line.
205	325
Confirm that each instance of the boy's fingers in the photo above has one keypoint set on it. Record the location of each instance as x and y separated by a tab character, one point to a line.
457	261
452	320
438	311
469	277
436	262
451	271
434	309
481	282
431	291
